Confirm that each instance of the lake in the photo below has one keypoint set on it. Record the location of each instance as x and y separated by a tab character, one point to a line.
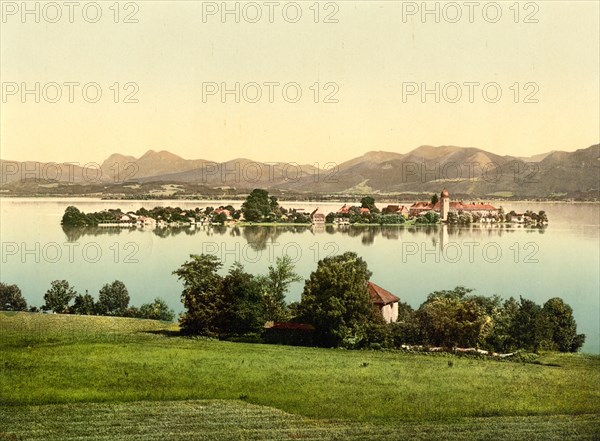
561	260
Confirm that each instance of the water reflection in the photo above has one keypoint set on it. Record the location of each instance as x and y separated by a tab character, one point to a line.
259	236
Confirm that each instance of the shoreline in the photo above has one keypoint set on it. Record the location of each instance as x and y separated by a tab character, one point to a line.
305	201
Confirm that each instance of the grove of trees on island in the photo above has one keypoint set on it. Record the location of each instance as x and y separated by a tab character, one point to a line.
335	307
258	208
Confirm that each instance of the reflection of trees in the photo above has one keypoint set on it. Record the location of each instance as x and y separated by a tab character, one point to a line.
257	236
368	236
75	233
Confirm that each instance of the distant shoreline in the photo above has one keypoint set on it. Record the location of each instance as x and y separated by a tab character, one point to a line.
311	200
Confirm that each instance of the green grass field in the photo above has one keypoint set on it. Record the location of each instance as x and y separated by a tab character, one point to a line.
100	378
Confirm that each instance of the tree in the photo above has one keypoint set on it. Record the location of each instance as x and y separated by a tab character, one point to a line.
11	298
275	286
83	304
527	328
431	217
369	202
500	338
74	218
273	204
242	309
58	297
257	205
157	310
201	295
452	318
434	199
336	301
406	329
220	218
113	299
560	327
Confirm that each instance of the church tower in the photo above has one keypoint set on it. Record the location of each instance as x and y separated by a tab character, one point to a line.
444	205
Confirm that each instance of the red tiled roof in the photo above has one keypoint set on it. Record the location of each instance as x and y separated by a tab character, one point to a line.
380	296
345	209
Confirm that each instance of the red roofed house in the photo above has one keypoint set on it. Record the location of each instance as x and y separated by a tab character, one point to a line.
385	301
344	210
395	209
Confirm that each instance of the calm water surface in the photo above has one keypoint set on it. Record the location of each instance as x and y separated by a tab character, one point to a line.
561	260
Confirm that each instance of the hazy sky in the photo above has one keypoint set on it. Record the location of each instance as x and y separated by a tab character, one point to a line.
364	61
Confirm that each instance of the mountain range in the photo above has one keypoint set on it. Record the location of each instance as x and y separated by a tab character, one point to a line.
426	169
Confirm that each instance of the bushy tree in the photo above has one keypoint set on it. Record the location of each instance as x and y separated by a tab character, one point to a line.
434	199
369	202
406	329
113	299
559	326
73	217
201	295
336	301
527	329
83	305
431	217
275	286
501	338
11	298
58	297
242	308
454	318
157	310
257	205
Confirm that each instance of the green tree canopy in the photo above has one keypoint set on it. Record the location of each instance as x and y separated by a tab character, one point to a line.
336	301
83	305
11	298
58	297
275	285
257	205
369	202
455	318
560	327
242	308
74	218
113	299
201	295
157	310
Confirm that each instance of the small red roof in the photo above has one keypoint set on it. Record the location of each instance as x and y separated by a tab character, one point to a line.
380	296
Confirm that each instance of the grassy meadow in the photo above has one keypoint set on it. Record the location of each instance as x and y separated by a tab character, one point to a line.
99	378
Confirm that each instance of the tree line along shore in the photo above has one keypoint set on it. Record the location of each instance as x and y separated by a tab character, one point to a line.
338	308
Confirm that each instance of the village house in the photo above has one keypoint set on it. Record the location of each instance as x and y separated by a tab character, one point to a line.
317	218
385	301
396	209
146	222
